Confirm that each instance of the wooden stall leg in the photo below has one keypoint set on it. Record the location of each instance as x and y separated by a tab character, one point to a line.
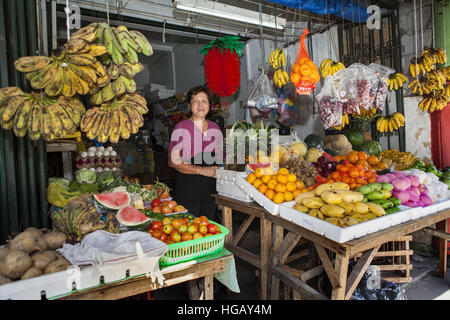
266	246
227	218
341	267
443	251
276	242
209	287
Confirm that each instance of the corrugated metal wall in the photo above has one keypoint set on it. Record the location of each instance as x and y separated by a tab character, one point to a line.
23	163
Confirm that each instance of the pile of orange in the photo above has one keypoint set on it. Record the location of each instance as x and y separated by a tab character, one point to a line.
280	186
304	70
363	159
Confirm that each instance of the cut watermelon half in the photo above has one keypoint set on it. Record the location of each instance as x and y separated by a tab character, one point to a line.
129	216
253	166
113	200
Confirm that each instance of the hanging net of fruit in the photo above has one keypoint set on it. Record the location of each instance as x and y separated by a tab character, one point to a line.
222	66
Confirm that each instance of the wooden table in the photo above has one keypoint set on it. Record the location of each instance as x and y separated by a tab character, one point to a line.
199	276
367	246
333	257
252	210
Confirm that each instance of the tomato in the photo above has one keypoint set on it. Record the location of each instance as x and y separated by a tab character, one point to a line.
171	204
182	228
164	195
176	223
203	229
196	220
164	237
166	210
156	209
175	236
156	234
212	228
156	203
186	220
167	229
192	229
166	220
179	208
204	219
197	235
156	225
186	236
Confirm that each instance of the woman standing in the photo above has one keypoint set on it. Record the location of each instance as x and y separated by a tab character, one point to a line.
194	152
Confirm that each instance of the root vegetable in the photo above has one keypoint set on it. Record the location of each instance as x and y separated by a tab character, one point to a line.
31	273
57	265
26	242
35	231
3	252
42	259
4	280
15	264
54	239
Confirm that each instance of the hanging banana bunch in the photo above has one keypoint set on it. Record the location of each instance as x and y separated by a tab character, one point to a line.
427	61
39	114
277	61
345	121
365	114
71	69
390	123
115	119
328	67
434	103
396	81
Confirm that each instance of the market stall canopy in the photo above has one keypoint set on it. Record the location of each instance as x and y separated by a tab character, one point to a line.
348	10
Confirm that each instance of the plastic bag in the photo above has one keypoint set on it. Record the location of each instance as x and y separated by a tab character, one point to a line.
365	85
287	110
304	74
382	88
330	107
263	97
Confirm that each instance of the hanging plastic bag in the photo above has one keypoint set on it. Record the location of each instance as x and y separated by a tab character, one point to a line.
330	107
287	110
263	96
382	88
304	74
365	85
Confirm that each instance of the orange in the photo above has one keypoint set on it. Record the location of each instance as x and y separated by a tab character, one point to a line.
292	177
270	194
272	184
295	77
258	172
373	160
288	196
382	165
283	171
362	155
299	184
251	178
281	178
296	68
296	192
278	197
335	175
352	157
263	188
291	186
363	163
266	178
280	188
257	183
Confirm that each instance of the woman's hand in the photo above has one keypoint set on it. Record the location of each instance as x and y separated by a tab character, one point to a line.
208	171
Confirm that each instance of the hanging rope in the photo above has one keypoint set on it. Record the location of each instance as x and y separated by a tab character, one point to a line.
415	37
421	23
445	37
107	11
67	10
432	23
263	56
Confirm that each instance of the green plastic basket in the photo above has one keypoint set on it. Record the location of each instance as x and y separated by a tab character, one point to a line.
192	249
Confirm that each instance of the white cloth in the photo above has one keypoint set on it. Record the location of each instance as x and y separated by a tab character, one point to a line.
101	247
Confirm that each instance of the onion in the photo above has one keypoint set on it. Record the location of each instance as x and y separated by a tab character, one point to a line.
411	204
427	201
383	178
401	184
403	196
414	197
414	180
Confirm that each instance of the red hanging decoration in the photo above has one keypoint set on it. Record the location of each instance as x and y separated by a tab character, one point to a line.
222	65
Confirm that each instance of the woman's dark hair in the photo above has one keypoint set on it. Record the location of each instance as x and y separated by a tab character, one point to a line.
197	90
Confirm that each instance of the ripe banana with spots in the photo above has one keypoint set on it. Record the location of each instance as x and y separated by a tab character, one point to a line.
329	67
277	59
396	81
280	78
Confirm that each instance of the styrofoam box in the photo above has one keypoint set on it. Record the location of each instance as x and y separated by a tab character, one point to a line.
339	234
226	185
259	198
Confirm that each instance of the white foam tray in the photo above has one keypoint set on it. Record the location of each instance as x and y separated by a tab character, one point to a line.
259	198
226	185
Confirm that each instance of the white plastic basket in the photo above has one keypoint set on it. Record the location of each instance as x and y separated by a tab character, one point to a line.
226	185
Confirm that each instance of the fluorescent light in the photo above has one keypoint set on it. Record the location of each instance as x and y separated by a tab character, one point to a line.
230	12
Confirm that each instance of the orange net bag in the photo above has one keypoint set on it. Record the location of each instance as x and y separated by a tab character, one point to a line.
304	73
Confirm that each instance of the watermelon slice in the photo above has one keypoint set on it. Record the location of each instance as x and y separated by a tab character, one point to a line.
253	166
113	200
129	216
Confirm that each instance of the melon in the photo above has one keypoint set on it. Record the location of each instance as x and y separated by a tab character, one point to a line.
113	200
129	216
253	166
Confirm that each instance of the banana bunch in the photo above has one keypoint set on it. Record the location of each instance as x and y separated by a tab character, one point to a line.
277	59
39	114
434	103
280	78
121	82
390	123
427	61
431	81
365	114
328	67
71	69
122	44
396	81
399	160
345	121
116	119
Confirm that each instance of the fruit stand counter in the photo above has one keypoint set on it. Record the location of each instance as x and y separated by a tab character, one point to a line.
198	273
324	255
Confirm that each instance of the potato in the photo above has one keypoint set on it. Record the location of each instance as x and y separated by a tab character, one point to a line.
54	239
4	280
26	242
57	265
3	252
15	264
35	231
42	259
31	273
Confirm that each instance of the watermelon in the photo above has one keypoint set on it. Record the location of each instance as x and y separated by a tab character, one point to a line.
314	141
129	216
372	147
253	166
355	137
112	200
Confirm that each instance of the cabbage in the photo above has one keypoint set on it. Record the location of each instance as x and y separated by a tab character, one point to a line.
61	181
86	176
105	178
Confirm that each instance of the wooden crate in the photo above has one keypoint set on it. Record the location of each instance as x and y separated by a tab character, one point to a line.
394	260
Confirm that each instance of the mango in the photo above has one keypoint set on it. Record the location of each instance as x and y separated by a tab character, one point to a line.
375	195
375	185
365	189
386	186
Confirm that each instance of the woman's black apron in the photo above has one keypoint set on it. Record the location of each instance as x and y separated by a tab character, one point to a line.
194	191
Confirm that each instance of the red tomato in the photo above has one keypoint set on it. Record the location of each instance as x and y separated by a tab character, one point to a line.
171	204
156	209
175	236
156	203
166	210
164	195
156	234
212	228
164	237
156	225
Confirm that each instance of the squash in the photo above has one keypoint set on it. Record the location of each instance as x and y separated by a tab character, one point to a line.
314	141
